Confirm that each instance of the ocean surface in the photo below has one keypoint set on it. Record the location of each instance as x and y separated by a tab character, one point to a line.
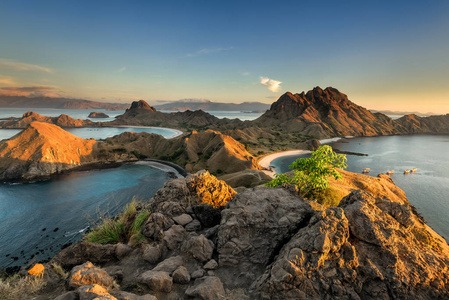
37	219
427	189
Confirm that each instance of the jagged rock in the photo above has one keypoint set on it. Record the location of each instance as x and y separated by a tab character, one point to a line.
360	251
72	295
195	225
195	189
152	254
88	274
181	275
79	253
122	250
170	264
199	247
183	219
207	288
207	215
155	225
174	236
95	291
254	225
211	265
121	295
158	281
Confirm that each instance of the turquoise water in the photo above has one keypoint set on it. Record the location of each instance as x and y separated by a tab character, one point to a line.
427	190
39	218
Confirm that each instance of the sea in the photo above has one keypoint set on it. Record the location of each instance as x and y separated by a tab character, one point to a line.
427	189
39	218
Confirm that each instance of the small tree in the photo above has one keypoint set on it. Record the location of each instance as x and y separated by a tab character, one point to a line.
312	174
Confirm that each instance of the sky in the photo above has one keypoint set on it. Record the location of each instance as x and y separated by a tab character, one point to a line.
385	55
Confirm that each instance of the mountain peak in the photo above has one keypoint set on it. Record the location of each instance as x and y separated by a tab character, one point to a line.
141	104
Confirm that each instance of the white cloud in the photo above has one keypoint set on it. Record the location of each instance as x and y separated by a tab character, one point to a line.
16	65
121	69
271	84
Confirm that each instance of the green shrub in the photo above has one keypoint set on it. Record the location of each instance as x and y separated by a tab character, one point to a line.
311	174
125	227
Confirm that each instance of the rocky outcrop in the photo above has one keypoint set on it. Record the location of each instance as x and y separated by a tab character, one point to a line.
41	150
29	117
98	115
367	248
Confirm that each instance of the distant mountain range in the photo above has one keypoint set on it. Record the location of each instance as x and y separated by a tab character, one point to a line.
402	113
61	103
204	104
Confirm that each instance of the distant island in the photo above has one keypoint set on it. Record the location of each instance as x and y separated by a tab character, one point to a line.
204	104
60	103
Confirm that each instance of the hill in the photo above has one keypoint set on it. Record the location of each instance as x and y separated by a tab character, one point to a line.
60	103
29	117
40	150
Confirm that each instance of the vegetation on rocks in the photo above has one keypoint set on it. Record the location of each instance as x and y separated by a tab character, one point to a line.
125	228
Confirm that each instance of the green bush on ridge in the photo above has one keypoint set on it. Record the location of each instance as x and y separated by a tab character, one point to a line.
311	174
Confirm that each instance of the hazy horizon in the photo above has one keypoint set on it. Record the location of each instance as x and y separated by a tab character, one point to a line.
384	56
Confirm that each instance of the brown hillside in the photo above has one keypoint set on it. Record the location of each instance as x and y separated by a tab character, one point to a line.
42	149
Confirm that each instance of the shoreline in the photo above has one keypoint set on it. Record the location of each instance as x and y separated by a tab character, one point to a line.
265	162
176	132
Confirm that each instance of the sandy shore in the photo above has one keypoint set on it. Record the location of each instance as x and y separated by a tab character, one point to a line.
265	162
176	132
160	166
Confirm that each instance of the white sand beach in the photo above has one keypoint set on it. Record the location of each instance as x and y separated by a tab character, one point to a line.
265	162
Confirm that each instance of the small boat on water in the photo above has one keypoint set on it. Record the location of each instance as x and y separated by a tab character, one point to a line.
413	170
366	170
406	171
390	172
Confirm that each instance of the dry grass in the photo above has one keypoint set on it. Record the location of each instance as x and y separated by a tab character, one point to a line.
17	288
60	271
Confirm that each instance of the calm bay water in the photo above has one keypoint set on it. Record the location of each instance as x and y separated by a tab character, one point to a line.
427	190
38	218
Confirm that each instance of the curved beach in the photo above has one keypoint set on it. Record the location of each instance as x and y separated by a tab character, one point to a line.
265	162
176	132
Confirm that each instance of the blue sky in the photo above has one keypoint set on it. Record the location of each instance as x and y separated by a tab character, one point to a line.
382	54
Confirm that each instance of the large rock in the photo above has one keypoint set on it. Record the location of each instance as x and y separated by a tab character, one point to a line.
158	281
79	253
121	295
155	225
207	288
367	248
254	225
88	274
199	247
170	264
208	215
195	189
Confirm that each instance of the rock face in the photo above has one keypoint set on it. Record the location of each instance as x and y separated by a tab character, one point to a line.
98	115
272	244
432	124
367	248
29	117
324	113
41	150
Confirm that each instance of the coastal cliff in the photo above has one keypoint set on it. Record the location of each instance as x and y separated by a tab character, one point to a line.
202	240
